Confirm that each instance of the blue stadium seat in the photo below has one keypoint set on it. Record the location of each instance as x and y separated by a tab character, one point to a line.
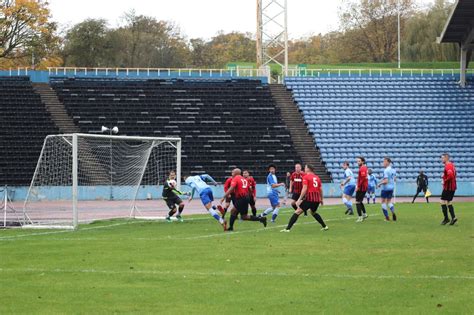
411	119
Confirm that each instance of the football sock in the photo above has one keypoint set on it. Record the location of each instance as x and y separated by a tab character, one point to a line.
374	199
294	206
362	206
319	219
254	218
348	204
384	209
292	221
275	213
233	217
368	199
216	216
444	208
267	211
180	209
170	214
359	209
451	211
392	208
254	211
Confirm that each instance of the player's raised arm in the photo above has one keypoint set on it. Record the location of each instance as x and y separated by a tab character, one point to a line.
208	179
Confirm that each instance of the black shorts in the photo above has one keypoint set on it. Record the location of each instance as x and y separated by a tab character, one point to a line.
295	196
242	205
172	202
311	205
420	189
447	195
252	200
360	195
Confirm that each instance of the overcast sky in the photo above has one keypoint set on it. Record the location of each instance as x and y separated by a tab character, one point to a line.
204	18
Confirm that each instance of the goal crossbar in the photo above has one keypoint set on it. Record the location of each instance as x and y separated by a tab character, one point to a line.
86	177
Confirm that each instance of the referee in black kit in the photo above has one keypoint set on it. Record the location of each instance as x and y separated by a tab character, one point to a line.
422	183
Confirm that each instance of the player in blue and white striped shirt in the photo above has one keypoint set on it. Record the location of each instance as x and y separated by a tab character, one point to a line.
273	193
388	186
199	183
348	187
372	185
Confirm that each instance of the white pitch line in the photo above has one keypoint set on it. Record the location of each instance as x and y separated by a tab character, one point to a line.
15	237
237	274
171	237
261	229
131	221
12	237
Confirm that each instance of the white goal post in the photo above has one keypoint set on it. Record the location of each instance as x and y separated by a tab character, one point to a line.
89	177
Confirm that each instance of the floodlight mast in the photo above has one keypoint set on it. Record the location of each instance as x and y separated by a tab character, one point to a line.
272	33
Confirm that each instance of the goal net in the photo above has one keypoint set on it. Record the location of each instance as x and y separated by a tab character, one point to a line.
82	178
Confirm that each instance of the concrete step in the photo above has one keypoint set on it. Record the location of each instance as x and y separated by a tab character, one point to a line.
302	140
56	109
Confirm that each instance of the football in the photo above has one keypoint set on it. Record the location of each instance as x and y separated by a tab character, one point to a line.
172	183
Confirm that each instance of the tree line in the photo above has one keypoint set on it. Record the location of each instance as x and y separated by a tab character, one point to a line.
367	33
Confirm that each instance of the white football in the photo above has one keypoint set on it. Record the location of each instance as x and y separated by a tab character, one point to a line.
172	183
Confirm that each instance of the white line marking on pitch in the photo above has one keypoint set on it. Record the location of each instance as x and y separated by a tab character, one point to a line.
237	274
15	237
169	237
261	229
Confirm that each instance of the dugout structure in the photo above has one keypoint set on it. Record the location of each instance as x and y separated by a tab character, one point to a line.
460	30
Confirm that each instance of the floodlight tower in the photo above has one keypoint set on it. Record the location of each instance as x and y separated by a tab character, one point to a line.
272	33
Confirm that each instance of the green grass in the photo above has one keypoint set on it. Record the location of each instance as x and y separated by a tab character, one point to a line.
413	266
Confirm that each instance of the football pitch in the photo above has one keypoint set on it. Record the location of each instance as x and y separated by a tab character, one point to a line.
412	266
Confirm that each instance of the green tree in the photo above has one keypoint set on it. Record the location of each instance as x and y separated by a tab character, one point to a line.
419	38
370	28
233	46
86	44
147	42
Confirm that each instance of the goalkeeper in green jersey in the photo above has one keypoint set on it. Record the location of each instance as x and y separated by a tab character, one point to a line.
171	197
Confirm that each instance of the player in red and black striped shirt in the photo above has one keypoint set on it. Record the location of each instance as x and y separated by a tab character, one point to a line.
241	190
311	197
361	189
449	188
223	210
253	191
296	185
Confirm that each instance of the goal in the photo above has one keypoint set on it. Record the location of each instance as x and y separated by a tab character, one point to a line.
85	177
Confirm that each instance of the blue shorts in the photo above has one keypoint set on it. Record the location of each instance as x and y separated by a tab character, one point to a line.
349	190
206	196
371	189
274	199
387	194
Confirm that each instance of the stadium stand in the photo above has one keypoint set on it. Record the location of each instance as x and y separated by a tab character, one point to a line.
223	123
411	119
25	123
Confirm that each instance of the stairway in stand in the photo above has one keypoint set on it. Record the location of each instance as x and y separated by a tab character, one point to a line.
303	141
57	110
66	125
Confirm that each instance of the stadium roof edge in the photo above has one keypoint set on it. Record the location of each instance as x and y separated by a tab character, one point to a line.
460	25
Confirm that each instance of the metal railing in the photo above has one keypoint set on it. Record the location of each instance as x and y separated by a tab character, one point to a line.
160	72
373	72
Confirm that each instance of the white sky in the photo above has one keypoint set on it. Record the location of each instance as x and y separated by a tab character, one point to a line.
204	18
